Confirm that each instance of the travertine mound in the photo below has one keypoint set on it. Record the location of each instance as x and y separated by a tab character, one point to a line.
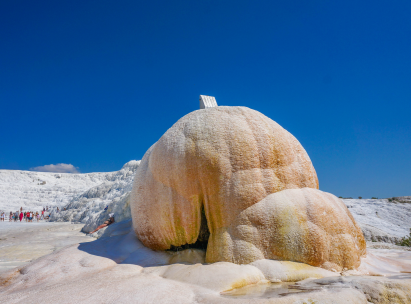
210	167
304	225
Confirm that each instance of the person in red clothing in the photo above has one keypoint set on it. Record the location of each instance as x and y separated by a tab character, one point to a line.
106	223
21	216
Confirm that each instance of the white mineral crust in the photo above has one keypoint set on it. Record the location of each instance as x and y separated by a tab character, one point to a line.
381	220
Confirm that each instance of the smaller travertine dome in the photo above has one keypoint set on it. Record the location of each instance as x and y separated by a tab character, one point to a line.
223	176
304	225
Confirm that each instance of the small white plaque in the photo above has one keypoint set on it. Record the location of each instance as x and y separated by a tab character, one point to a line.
207	102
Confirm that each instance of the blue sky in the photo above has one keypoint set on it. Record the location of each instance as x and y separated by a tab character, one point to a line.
95	83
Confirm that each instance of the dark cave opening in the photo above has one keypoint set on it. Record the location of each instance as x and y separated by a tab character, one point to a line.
202	239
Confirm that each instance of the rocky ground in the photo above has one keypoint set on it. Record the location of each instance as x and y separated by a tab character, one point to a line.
117	268
21	243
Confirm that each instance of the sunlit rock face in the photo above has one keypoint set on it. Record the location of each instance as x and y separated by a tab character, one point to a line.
224	175
304	225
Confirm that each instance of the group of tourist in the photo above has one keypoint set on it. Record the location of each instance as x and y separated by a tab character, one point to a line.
27	216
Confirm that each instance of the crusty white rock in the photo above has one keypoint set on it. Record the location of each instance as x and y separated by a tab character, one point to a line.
88	208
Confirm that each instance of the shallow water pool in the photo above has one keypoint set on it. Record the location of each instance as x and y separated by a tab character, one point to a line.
271	290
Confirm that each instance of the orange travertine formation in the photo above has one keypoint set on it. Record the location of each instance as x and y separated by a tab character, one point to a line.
234	167
304	225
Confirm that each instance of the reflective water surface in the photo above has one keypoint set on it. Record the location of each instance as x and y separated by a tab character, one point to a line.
271	290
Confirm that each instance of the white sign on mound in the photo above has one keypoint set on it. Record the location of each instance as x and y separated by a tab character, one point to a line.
207	102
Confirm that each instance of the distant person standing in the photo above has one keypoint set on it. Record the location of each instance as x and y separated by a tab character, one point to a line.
21	216
42	214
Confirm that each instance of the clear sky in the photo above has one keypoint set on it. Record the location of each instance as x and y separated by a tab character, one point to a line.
95	83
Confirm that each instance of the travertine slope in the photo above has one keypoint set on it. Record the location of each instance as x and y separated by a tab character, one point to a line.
83	195
35	190
212	165
88	207
382	220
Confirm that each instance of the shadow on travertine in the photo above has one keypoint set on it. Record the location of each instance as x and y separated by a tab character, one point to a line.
120	244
